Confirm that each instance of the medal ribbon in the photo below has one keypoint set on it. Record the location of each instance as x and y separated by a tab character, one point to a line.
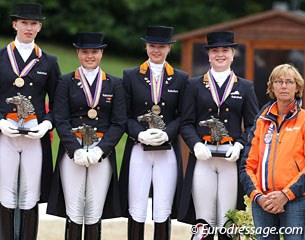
92	102
156	86
214	91
10	50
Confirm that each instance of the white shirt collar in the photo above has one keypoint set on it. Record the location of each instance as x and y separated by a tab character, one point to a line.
220	77
90	74
156	68
25	49
24	46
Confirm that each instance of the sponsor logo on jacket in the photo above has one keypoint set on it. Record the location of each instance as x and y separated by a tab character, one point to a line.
173	90
41	73
236	95
290	129
108	97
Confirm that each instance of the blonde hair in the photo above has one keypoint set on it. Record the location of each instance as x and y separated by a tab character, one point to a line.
284	70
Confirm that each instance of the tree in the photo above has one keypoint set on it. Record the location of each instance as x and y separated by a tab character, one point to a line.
124	21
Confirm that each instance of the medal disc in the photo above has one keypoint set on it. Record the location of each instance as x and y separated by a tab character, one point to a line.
19	82
92	113
156	109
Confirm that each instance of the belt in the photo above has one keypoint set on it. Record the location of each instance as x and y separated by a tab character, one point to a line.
98	134
222	141
14	116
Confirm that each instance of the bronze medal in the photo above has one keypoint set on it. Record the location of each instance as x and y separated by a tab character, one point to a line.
92	113
156	109
19	82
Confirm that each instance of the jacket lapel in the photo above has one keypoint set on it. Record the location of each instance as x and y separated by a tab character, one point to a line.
144	74
168	78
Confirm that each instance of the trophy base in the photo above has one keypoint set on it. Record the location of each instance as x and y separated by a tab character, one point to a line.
25	131
164	146
220	150
218	154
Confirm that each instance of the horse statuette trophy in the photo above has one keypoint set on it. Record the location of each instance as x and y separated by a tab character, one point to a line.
24	109
220	141
88	135
154	121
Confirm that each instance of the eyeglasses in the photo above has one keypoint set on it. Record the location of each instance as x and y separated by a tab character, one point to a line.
281	82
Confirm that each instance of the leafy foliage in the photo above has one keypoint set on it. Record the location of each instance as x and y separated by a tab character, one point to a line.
241	218
124	21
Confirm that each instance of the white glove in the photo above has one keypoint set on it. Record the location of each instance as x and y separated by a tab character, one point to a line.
153	137
81	157
94	155
158	137
8	128
146	136
202	152
40	130
232	155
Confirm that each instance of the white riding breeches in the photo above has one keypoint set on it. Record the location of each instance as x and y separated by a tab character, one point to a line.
214	189
20	156
158	168
85	189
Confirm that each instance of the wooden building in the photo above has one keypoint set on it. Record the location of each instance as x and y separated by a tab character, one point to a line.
265	40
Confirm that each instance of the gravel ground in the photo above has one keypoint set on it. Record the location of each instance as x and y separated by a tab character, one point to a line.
53	228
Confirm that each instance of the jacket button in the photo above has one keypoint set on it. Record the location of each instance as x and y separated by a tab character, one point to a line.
96	118
227	109
210	109
225	120
80	117
29	97
145	103
98	108
31	84
14	109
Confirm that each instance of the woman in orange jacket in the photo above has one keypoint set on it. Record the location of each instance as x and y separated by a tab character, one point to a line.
273	167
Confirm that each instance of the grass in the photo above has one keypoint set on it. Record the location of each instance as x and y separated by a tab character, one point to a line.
68	62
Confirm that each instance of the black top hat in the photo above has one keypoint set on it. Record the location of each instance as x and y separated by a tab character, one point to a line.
159	35
220	39
29	11
89	40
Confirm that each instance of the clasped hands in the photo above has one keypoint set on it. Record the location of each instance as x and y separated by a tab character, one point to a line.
202	152
273	202
86	158
153	137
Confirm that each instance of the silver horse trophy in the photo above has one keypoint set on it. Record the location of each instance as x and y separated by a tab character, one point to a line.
154	121
88	134
24	109
218	132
